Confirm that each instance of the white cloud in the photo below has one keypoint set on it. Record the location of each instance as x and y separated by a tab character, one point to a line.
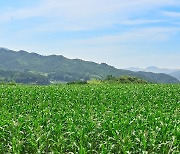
140	21
144	35
171	14
97	12
78	9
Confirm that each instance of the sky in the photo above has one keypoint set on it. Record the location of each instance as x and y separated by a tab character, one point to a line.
122	33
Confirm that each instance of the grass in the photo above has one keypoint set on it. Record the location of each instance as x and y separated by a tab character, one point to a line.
127	118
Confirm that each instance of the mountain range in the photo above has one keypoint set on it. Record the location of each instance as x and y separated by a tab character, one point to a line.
173	72
24	66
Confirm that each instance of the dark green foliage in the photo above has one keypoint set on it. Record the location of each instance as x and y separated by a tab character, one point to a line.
12	83
123	79
109	78
77	82
60	68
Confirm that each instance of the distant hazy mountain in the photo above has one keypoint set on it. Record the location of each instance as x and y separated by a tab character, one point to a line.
173	72
153	69
59	68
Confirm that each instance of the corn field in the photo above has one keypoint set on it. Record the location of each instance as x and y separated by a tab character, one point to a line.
124	118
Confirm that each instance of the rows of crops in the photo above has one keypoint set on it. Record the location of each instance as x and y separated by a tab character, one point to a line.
90	119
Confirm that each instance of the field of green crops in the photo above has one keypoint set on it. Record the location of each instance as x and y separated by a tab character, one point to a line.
127	118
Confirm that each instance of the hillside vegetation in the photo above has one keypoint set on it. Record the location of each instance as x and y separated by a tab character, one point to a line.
118	80
59	68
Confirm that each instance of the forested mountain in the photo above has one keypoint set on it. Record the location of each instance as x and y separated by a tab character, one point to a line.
59	68
23	77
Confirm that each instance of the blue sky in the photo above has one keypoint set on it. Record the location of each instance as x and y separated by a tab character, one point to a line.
122	33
